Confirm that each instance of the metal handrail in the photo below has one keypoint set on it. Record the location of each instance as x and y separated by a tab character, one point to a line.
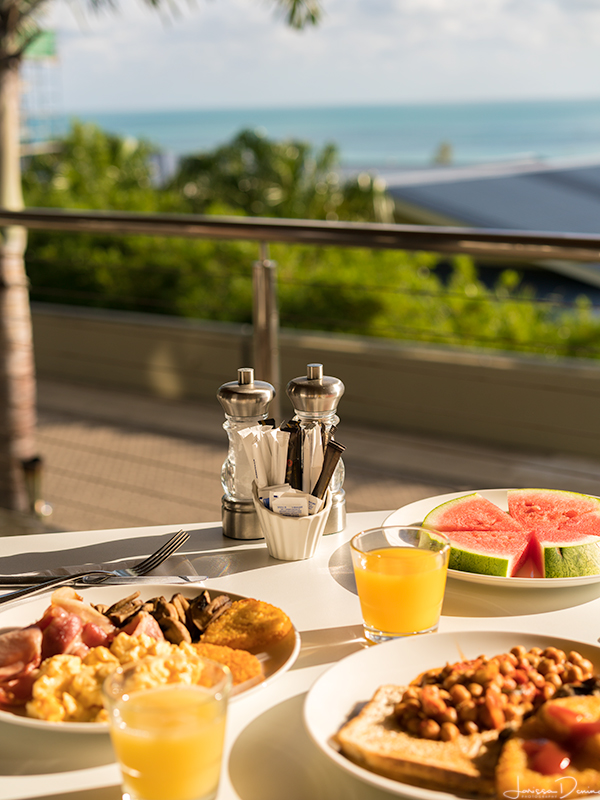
481	242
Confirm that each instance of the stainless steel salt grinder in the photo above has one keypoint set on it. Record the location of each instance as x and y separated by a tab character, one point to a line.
245	403
315	398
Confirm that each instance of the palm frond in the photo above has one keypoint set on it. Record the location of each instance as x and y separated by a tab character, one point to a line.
300	13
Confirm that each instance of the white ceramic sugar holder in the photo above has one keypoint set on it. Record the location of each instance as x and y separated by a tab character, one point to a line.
291	538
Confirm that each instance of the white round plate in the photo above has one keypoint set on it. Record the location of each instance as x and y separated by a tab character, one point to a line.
415	513
355	679
275	660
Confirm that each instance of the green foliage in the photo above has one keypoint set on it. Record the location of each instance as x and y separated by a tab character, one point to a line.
383	293
96	170
260	177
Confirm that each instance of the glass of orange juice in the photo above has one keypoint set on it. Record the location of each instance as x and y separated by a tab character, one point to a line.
167	733
400	577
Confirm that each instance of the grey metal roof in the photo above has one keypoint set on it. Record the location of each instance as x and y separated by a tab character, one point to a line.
558	197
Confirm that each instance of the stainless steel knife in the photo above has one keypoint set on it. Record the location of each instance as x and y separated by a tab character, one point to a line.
34	580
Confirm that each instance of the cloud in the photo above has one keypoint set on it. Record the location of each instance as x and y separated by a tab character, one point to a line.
234	52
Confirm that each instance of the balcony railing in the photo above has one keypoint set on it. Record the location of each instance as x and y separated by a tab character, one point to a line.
479	242
522	246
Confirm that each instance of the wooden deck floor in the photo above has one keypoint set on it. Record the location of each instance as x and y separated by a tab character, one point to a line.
116	459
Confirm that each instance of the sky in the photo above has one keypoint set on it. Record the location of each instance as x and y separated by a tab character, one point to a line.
237	53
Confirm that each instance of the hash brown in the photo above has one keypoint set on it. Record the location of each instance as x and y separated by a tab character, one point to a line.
243	665
248	624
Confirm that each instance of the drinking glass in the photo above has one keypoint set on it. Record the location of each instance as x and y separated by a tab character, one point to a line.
400	577
168	738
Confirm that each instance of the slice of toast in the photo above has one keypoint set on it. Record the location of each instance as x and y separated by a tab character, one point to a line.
374	741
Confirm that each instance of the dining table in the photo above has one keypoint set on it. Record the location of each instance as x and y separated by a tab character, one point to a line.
269	755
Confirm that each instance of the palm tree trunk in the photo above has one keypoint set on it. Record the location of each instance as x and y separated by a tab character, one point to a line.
17	372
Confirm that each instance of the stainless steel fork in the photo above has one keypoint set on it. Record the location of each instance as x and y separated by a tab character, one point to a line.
95	577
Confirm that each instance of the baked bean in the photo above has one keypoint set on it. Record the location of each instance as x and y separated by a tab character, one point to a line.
449	715
460	693
548	691
410	712
507	667
532	659
450	681
547	665
429	729
529	691
572	674
470	727
537	680
574	657
449	732
476	689
484	693
486	673
587	667
555	654
467	711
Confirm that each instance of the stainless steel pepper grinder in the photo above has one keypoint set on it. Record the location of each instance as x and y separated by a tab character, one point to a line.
315	398
245	403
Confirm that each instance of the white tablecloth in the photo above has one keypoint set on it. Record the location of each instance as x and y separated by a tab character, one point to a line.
269	756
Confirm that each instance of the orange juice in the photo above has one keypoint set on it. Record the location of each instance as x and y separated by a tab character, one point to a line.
169	743
401	589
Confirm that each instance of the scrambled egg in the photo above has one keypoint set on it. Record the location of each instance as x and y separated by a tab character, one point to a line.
69	689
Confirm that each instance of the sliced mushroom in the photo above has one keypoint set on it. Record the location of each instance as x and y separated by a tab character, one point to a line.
202	614
121	611
182	604
175	631
165	609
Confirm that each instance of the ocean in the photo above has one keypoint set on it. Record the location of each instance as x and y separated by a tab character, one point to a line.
382	136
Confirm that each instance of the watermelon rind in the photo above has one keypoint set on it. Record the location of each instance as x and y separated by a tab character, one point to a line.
571	561
469	561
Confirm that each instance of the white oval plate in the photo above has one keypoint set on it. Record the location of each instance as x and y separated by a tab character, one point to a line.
275	660
415	513
356	678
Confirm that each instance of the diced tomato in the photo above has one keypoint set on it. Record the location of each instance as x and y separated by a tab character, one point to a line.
577	726
520	676
546	757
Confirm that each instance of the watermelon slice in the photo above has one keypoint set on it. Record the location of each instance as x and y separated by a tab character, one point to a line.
488	552
566	556
547	532
470	513
550	509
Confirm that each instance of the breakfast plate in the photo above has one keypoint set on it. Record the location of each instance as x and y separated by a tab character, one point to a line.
275	660
354	680
415	513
